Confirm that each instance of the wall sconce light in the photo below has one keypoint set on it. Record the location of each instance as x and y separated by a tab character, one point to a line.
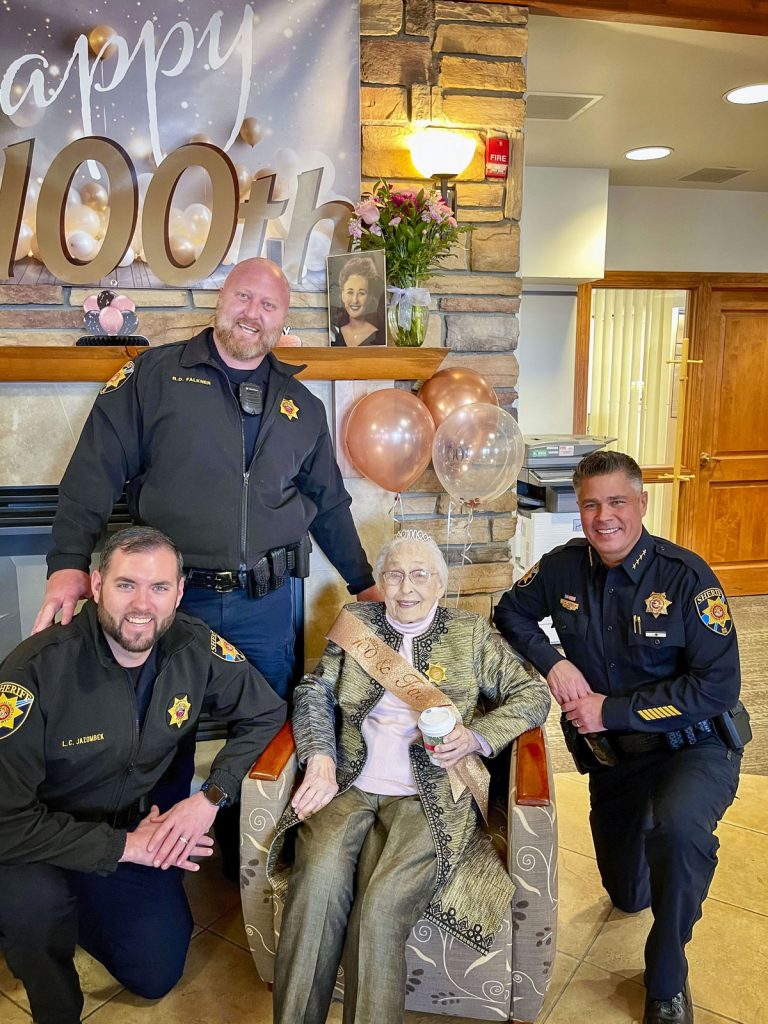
441	154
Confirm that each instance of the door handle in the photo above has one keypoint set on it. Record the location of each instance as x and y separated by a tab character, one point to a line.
705	459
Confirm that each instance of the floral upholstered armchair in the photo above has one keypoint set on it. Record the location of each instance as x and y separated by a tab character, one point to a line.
444	976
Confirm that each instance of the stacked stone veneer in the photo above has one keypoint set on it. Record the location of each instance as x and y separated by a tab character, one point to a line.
421	61
458	64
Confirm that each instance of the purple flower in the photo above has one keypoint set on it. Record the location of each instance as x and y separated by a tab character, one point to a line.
394	221
375	229
368	211
355	228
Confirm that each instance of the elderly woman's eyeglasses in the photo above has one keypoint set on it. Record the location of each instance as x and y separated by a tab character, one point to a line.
395	577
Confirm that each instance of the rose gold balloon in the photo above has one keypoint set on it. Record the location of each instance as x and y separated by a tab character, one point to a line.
202	138
250	130
95	195
449	389
388	435
111	319
97	38
123	302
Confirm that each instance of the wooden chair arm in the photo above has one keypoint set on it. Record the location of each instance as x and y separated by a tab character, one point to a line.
271	762
531	776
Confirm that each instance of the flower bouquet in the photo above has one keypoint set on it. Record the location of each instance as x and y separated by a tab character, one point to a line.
416	230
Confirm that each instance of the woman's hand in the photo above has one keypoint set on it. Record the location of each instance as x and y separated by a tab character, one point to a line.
318	788
455	745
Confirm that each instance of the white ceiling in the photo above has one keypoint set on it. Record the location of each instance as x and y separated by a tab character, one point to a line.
660	86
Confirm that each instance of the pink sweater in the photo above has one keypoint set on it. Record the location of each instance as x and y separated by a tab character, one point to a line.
391	728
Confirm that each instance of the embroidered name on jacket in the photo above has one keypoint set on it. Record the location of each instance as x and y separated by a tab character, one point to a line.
191	380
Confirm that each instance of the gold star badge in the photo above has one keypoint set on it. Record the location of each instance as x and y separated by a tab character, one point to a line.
179	710
289	409
224	649
657	604
9	712
15	703
436	674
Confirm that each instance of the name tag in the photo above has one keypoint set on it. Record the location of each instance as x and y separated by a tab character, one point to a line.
660	632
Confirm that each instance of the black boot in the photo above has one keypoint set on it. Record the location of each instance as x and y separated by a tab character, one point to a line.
677	1010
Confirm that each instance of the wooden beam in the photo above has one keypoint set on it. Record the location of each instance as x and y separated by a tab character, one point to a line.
60	363
749	17
581	360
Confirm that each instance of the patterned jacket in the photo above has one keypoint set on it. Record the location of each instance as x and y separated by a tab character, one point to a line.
472	890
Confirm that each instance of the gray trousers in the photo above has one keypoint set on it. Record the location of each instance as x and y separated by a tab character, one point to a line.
365	869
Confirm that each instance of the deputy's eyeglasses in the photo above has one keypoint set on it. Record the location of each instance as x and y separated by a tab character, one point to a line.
394	577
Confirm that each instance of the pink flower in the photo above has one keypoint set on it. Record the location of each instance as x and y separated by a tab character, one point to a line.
355	228
401	198
368	211
394	221
375	229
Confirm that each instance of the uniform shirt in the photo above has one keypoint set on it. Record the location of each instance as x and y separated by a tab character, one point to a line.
250	421
654	633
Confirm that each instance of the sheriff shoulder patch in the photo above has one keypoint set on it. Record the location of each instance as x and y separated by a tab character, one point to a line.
529	576
178	712
712	609
15	704
118	379
224	649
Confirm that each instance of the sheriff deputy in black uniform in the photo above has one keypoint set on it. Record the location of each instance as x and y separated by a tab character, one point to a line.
93	846
230	456
651	666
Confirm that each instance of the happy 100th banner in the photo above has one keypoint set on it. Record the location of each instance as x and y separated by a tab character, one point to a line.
169	139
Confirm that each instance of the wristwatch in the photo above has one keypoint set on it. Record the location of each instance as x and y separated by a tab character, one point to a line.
215	794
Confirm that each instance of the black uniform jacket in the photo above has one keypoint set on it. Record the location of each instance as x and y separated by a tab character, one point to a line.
169	424
72	756
654	633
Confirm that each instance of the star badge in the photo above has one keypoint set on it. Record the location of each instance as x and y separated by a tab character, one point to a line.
15	703
179	710
436	674
289	409
657	604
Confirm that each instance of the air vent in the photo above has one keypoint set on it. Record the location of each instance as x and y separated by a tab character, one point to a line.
714	175
557	106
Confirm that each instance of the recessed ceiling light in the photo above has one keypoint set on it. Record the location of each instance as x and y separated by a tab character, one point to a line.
648	153
748	94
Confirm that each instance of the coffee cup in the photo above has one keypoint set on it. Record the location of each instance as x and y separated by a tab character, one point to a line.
435	724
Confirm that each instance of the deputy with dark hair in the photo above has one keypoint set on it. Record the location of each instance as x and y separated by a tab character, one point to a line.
650	677
94	839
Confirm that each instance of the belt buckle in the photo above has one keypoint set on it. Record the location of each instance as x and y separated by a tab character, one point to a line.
225	586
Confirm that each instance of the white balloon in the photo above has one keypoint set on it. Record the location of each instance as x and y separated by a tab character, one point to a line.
182	250
81	245
128	259
73	198
82	218
177	222
287	162
197	219
34	251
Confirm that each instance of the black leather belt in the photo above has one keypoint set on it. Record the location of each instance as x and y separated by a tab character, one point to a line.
644	742
268	574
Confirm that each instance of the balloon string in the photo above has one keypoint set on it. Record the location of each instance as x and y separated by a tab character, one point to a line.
465	559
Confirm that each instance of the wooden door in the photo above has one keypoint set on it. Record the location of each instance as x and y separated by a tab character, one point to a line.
725	516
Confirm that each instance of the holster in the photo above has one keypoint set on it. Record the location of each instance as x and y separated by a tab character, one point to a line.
589	752
733	727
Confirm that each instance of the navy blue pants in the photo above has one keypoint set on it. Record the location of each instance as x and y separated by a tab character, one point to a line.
136	921
262	628
653	819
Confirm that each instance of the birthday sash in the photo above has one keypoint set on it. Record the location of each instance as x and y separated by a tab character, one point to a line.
393	672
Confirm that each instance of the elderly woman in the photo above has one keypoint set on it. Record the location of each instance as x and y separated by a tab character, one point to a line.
384	835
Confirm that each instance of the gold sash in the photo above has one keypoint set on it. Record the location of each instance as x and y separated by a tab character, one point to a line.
393	672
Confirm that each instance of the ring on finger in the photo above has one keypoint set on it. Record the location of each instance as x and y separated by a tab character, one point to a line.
183	839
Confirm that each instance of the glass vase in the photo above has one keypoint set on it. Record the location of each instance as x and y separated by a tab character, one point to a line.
407	316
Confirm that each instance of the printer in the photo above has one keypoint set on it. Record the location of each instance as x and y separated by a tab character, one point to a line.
545	479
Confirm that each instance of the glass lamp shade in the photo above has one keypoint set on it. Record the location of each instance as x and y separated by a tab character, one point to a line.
437	152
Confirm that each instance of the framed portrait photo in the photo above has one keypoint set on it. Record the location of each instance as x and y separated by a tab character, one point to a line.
357	296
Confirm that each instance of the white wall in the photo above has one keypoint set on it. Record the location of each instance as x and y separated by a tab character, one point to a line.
696	230
563	224
546	352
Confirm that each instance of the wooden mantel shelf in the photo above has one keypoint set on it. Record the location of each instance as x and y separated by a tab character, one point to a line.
59	363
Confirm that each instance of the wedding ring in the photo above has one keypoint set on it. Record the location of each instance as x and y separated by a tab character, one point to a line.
183	839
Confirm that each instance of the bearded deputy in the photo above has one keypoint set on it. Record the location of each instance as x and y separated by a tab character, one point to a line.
384	835
230	456
94	843
649	683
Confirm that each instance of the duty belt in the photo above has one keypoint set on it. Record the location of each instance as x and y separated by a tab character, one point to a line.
268	574
644	742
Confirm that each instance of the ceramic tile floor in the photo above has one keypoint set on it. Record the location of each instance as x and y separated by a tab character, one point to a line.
598	969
